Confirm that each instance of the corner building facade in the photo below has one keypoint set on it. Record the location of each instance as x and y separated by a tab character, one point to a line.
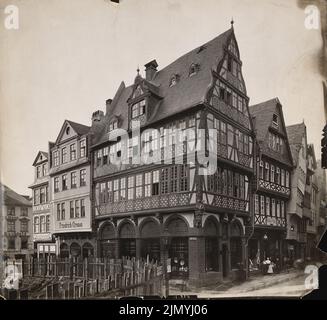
161	210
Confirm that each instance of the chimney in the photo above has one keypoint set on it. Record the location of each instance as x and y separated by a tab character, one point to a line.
150	69
97	116
108	105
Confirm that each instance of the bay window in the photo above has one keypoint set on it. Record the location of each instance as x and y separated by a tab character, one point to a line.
272	175
155	183
147	184
116	190
267	171
256	204
267	206
109	192
282	177
122	189
139	186
273	208
130	187
262	205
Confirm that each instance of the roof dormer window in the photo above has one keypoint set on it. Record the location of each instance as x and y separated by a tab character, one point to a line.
138	109
113	125
194	68
173	80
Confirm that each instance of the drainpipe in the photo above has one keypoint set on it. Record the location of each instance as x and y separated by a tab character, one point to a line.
253	190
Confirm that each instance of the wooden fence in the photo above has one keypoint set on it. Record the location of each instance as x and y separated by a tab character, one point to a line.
77	278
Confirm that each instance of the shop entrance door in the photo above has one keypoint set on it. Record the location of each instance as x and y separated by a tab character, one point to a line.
178	252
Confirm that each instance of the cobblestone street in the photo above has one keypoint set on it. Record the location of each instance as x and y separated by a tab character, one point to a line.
283	285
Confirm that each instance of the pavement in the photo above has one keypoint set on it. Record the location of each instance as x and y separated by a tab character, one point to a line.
285	284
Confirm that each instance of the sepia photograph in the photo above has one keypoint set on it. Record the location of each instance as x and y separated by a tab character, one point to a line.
162	149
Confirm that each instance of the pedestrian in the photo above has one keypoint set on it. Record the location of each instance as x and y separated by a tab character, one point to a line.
270	266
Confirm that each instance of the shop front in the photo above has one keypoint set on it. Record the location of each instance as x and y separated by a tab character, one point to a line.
266	243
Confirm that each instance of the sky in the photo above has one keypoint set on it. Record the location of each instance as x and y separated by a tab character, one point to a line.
67	57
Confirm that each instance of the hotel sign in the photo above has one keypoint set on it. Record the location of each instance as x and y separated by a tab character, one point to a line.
42	236
73	226
70	225
41	207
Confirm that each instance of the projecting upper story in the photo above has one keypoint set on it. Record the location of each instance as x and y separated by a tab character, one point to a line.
203	89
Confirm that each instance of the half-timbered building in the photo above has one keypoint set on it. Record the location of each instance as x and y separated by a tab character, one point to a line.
274	167
166	205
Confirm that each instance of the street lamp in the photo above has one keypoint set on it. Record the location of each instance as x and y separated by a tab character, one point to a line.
265	238
165	241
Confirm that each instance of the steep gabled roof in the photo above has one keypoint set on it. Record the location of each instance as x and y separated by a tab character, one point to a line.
44	154
80	129
12	198
295	135
189	91
263	113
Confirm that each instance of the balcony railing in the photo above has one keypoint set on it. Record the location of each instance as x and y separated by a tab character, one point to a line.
11	234
24	217
11	217
154	202
232	203
271	186
24	234
269	221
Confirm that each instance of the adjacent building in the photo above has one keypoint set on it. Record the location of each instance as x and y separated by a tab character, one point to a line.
310	204
322	203
297	219
16	225
42	217
69	171
273	177
162	210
